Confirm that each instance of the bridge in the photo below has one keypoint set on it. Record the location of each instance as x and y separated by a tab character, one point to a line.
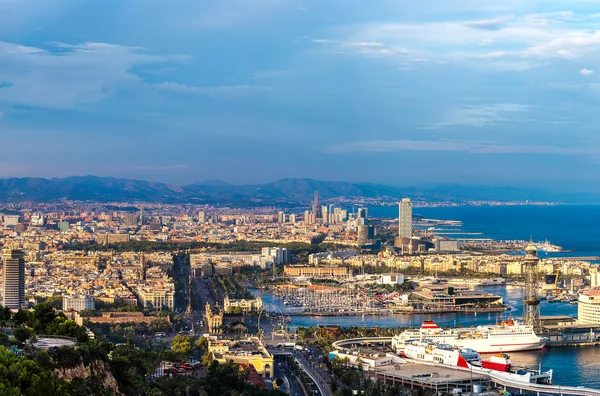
319	381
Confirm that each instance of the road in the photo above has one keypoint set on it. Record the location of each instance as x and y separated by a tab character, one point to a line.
291	381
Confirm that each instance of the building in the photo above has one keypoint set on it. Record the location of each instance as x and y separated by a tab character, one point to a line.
280	217
214	319
201	217
447	245
366	233
131	220
405	218
363	213
277	254
594	277
241	305
14	278
156	297
588	309
306	271
78	302
245	351
11	220
391	279
107	239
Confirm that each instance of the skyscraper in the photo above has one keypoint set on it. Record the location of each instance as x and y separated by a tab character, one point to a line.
324	214
14	278
142	216
363	213
281	217
405	226
315	206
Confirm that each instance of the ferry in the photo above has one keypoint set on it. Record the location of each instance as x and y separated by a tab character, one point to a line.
498	366
508	336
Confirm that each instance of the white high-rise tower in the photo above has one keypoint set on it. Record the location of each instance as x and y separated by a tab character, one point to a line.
405	216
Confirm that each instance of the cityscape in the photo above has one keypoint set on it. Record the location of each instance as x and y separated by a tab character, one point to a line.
299	197
264	289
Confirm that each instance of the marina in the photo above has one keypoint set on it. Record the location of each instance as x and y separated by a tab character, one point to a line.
578	365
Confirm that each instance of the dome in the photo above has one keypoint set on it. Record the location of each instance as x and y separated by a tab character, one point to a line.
531	250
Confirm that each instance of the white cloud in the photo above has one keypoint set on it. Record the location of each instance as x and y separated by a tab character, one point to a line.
489	24
485	42
69	75
304	9
472	147
159	168
586	72
480	115
367	44
221	92
322	41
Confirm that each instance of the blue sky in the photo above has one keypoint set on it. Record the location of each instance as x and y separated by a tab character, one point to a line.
397	92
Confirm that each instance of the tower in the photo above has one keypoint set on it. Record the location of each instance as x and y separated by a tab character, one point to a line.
142	268
405	218
14	278
315	207
531	298
142	215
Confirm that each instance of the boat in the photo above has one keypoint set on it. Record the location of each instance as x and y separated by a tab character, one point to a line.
498	366
508	336
498	362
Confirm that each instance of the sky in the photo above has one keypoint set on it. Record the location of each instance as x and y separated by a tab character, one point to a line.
398	92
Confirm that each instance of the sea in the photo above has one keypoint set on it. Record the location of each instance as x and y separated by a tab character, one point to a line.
573	227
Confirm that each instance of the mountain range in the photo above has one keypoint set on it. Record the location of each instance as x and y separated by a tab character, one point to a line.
281	192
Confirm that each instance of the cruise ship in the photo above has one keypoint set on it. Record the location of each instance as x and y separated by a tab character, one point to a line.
498	366
508	336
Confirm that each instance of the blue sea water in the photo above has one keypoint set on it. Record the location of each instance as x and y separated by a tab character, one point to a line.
574	227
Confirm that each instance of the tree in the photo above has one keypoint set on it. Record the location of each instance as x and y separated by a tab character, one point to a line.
22	333
207	359
202	343
23	376
182	344
21	317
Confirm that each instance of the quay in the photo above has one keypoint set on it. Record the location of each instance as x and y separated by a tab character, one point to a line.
443	378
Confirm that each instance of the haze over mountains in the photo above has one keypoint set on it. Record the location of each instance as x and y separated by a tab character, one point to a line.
280	192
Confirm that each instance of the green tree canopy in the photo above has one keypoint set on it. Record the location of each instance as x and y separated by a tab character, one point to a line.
182	344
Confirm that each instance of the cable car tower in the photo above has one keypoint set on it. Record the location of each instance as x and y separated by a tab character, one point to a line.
531	298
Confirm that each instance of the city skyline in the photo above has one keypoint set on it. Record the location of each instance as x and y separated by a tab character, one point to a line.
497	93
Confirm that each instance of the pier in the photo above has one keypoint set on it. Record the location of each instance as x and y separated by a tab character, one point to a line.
442	378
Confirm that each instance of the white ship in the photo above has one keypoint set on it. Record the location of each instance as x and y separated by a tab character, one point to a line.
498	366
509	336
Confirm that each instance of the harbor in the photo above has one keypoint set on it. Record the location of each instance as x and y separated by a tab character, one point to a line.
575	361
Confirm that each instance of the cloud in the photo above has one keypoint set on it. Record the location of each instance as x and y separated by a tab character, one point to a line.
480	115
473	147
304	9
489	24
367	44
221	92
586	72
64	75
160	168
485	42
322	41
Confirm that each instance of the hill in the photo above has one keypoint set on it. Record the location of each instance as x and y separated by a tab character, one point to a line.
281	192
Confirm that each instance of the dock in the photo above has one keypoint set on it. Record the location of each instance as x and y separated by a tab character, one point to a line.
441	378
